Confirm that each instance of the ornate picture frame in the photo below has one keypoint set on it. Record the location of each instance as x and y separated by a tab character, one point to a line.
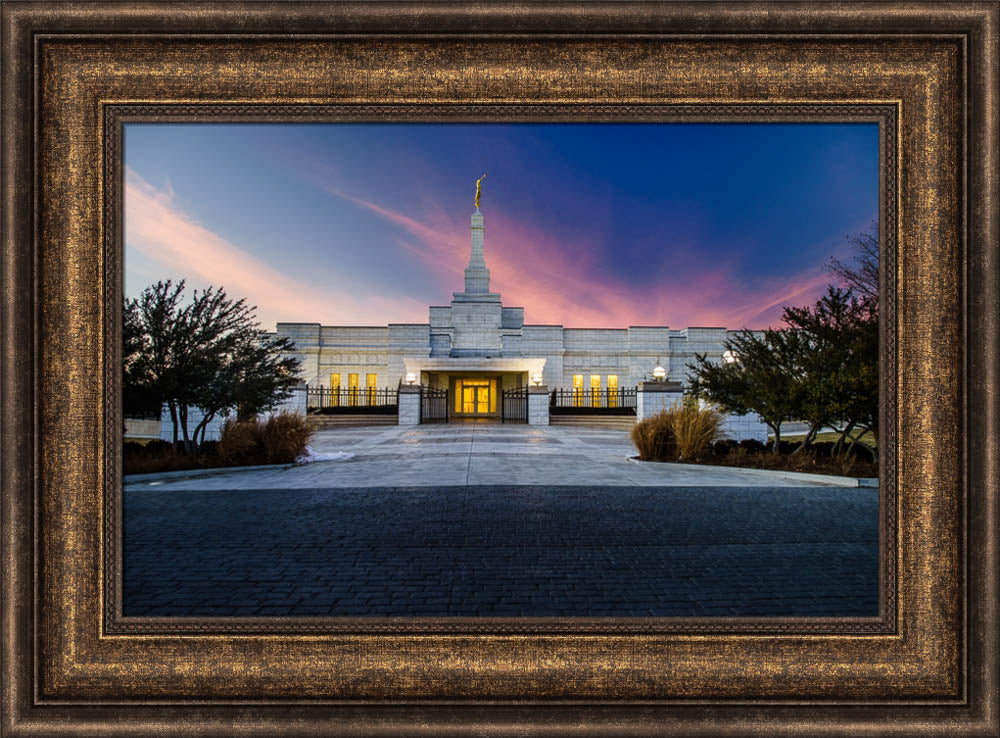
73	74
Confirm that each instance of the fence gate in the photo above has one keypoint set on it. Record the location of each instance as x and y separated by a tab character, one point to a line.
514	404
433	405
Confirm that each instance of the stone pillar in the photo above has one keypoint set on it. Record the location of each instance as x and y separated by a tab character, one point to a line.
653	397
409	404
538	405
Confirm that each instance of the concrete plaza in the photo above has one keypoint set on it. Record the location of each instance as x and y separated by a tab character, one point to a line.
473	520
473	453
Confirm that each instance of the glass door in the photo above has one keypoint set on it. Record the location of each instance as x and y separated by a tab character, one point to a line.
476	397
483	400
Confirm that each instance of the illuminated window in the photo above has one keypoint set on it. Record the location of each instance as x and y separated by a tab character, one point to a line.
595	390
334	390
612	390
352	389
370	381
458	396
493	395
577	390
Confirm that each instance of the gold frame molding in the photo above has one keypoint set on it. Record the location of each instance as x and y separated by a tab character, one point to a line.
73	73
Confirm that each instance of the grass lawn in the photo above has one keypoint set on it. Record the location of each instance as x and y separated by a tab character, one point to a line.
831	437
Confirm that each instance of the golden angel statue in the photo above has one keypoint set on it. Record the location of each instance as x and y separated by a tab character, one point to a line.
479	188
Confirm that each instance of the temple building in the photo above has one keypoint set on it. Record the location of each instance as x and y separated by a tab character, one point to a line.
475	347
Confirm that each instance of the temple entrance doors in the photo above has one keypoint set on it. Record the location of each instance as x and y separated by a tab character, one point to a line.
476	397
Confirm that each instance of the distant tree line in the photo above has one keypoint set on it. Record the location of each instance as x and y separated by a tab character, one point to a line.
208	353
821	368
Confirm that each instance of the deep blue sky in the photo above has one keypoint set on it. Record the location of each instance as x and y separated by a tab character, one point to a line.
586	224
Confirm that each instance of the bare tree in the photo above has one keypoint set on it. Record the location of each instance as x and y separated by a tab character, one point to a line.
861	275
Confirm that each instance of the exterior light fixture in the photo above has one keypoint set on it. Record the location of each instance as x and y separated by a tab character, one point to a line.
659	373
536	378
728	357
411	378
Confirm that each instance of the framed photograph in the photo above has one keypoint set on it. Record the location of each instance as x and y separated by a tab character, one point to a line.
417	368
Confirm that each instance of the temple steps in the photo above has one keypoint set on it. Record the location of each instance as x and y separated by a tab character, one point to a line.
325	422
608	422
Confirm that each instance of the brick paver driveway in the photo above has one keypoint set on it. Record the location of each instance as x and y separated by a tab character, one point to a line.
462	539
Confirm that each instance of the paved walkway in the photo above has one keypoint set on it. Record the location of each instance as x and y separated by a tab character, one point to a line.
478	454
491	520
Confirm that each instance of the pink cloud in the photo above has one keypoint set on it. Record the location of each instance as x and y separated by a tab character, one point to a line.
177	246
555	280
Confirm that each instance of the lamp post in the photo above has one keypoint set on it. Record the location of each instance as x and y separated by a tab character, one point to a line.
411	378
659	373
728	357
536	378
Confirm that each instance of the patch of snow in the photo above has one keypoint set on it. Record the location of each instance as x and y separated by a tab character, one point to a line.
310	456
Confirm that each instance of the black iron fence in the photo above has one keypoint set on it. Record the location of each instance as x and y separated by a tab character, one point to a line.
366	400
580	401
514	405
433	405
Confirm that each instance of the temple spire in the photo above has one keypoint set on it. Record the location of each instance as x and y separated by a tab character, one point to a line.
477	276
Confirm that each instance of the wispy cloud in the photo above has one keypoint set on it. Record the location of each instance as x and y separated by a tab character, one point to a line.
560	282
175	245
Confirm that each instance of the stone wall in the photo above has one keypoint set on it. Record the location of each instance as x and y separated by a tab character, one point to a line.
653	397
475	324
296	404
630	353
744	427
213	431
361	350
142	428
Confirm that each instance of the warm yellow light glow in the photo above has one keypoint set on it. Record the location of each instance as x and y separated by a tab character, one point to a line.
334	390
476	398
595	390
371	382
493	395
577	390
612	390
352	389
458	396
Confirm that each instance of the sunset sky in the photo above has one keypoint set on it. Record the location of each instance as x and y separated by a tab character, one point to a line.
587	225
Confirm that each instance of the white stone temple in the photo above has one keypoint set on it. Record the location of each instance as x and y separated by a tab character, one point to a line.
476	346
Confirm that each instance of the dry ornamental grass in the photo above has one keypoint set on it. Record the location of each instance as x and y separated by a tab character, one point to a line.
685	432
278	440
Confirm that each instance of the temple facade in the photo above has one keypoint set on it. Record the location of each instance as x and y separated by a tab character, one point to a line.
476	346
